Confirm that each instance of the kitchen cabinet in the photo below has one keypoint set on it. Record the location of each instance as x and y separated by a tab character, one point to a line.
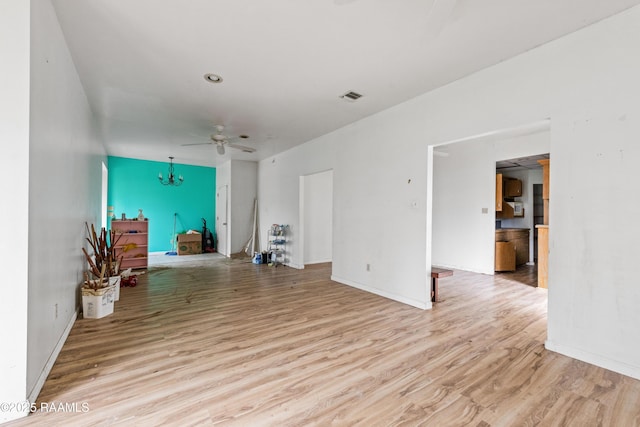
505	256
132	243
543	255
519	238
543	230
499	197
512	187
506	189
545	188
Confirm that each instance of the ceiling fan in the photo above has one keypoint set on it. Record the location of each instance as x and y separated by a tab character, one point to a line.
220	140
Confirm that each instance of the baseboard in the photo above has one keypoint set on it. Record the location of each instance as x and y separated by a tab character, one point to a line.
33	395
296	266
322	261
595	359
399	298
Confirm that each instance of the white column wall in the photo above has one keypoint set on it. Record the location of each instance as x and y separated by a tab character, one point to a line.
14	190
65	186
242	193
587	84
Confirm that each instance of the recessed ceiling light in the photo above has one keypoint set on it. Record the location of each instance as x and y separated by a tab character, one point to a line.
213	78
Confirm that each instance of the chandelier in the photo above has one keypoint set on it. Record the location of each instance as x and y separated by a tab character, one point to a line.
171	179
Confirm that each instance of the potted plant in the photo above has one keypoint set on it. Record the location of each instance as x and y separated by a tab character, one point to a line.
103	263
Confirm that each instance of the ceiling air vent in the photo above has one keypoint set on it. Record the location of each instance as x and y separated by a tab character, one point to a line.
351	96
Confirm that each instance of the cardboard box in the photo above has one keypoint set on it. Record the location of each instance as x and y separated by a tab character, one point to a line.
189	244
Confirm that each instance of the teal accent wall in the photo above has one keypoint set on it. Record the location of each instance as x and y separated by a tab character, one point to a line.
134	184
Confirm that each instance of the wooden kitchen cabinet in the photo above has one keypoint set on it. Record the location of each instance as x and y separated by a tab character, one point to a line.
543	255
543	230
505	256
506	189
545	163
499	197
512	187
519	238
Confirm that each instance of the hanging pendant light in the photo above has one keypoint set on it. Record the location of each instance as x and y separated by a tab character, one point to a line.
171	179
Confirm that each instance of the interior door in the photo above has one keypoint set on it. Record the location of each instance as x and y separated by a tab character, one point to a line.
222	209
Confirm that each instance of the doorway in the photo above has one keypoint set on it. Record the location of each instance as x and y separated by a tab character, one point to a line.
461	219
105	187
519	228
222	210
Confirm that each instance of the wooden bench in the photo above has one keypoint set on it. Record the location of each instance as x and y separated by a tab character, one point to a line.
437	273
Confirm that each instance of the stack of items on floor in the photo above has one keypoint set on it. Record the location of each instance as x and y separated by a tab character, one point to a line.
190	243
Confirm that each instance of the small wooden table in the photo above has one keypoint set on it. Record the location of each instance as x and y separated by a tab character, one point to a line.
437	273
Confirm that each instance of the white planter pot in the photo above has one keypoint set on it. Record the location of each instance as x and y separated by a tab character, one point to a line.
97	303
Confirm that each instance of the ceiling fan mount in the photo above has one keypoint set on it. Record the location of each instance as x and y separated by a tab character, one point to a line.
221	140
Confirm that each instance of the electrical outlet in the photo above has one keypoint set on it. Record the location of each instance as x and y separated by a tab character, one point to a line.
55	307
485	210
368	267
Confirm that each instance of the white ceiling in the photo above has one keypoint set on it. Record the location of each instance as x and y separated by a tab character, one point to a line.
285	63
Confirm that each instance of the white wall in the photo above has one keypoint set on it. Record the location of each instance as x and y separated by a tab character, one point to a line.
587	84
464	183
242	194
279	191
14	229
64	191
317	217
241	179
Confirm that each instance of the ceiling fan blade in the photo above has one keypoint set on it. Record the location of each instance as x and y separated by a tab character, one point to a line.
197	143
243	148
220	149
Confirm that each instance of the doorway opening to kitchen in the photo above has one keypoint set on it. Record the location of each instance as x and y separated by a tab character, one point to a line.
462	213
518	209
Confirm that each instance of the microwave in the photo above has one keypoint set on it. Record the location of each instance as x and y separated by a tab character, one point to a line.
518	208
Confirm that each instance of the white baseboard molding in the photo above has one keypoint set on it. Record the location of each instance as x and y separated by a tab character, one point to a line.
296	266
399	298
595	359
33	395
321	261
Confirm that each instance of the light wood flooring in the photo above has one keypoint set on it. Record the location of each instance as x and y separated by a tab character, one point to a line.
232	343
525	274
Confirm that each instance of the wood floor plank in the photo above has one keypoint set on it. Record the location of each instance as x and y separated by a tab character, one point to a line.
221	341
